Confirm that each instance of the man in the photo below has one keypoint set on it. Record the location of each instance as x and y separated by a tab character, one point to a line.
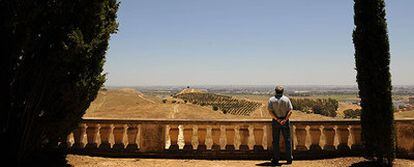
280	108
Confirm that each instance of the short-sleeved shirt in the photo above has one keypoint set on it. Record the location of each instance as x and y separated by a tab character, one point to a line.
280	106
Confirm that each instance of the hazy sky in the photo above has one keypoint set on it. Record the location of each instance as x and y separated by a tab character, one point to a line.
247	42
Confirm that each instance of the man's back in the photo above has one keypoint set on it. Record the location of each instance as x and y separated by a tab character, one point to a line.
280	106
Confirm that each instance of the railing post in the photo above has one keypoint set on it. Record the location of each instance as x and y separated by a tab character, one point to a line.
119	132
343	135
301	134
152	137
78	136
91	134
315	133
132	133
174	137
356	138
329	133
104	133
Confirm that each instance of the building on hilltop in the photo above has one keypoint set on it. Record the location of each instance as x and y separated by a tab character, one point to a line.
411	100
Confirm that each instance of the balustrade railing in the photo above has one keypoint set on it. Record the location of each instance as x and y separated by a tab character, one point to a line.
222	138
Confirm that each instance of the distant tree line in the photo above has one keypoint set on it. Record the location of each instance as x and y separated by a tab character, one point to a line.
227	104
327	107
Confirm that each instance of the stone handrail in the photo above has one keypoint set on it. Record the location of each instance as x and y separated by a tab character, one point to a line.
223	138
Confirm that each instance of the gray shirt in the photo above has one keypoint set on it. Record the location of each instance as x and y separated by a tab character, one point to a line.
280	106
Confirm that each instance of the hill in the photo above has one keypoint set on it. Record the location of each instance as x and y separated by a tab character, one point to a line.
130	103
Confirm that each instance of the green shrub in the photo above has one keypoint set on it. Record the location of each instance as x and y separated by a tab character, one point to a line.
327	107
350	113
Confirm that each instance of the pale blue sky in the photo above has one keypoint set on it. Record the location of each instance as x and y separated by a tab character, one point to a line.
247	42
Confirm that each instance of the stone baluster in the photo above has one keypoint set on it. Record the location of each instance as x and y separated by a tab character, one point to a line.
174	137
230	135
91	135
329	133
209	138
301	134
104	133
251	140
356	138
78	136
315	133
343	135
269	137
132	133
119	132
202	133
215	134
188	136
223	137
258	138
65	143
244	138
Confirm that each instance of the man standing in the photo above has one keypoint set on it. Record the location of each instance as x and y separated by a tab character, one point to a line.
280	108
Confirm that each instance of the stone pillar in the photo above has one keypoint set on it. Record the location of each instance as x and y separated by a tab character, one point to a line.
258	138
301	137
215	134
244	138
329	133
104	133
78	136
119	132
91	134
315	133
152	137
343	135
202	133
356	138
230	135
174	137
132	133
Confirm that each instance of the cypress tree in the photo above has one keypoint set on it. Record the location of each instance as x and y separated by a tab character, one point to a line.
52	55
372	59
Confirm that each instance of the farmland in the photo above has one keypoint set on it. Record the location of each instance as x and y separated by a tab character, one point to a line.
203	104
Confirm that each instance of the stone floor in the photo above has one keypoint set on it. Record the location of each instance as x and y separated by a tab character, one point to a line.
87	161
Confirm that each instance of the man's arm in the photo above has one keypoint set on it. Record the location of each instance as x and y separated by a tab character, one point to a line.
290	107
272	114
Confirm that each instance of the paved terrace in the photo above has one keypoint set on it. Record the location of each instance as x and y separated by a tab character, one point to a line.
87	161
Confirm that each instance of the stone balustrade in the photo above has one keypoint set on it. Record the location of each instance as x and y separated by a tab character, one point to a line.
218	139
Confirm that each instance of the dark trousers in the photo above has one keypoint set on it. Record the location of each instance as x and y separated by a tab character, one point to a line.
285	129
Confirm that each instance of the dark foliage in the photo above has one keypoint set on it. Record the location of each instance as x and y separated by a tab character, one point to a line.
350	113
52	55
372	59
